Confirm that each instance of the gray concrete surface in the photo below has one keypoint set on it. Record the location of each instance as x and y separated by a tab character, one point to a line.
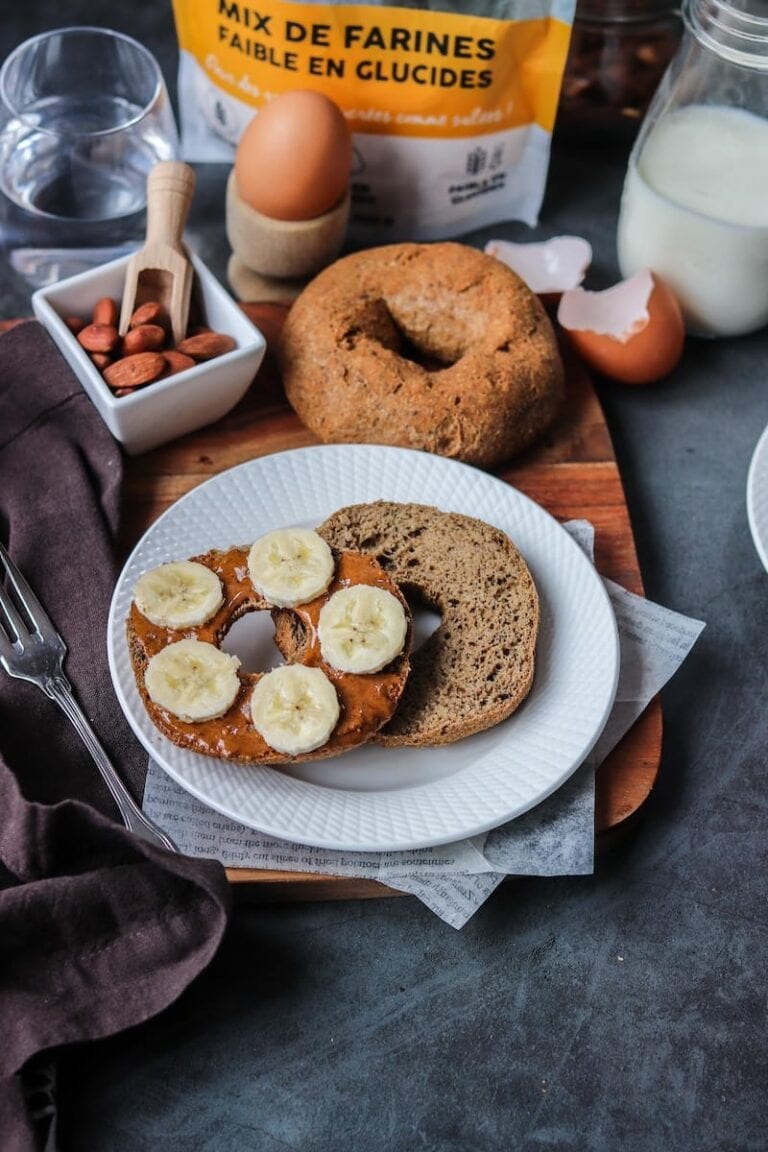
621	1011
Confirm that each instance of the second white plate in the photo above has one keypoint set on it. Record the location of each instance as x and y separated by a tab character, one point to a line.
379	799
757	497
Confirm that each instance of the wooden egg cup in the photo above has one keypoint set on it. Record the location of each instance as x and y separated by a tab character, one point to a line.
272	259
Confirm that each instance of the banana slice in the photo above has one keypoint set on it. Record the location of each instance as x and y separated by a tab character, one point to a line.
361	628
193	680
181	594
290	566
295	708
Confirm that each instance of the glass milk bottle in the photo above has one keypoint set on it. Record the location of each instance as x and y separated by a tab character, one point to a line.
695	203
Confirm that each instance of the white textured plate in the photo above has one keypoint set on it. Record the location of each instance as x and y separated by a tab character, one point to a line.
757	497
384	798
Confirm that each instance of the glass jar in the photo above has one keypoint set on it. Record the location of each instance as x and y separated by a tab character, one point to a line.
619	52
695	203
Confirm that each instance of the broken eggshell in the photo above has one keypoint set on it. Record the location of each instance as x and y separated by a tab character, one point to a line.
548	267
632	332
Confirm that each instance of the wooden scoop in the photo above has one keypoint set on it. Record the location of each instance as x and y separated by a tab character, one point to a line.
161	271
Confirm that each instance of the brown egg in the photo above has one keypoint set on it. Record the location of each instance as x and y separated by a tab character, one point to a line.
632	332
294	157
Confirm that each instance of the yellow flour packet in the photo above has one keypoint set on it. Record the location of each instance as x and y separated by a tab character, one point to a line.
451	111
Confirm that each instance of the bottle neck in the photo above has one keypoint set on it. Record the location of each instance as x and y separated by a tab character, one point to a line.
731	30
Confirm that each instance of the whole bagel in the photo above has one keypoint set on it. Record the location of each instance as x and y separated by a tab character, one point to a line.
437	347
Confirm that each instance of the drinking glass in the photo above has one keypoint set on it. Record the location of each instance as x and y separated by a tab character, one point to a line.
84	115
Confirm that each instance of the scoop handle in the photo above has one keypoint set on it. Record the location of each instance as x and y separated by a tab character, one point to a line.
170	187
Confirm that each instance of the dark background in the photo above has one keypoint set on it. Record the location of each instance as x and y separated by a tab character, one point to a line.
621	1011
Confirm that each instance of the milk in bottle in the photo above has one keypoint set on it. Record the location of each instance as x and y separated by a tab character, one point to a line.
695	211
695	203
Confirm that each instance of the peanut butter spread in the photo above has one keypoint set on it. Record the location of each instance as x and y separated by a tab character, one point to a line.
367	701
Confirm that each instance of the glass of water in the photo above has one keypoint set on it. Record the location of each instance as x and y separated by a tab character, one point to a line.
84	115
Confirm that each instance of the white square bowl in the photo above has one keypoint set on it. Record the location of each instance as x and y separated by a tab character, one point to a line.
178	404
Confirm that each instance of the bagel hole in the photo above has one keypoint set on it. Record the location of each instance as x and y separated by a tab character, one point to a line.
425	616
252	640
426	359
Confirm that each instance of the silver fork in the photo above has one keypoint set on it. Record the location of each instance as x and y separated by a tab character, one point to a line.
31	649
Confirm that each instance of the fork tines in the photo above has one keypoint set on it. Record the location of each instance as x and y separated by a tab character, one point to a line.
13	582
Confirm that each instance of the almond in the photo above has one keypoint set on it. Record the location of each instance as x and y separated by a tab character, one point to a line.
149	313
98	337
143	338
133	371
177	362
75	324
101	359
206	345
105	312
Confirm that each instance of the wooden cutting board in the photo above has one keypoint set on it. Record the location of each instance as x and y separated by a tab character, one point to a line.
572	473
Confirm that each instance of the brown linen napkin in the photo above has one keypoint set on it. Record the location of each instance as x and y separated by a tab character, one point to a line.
98	930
